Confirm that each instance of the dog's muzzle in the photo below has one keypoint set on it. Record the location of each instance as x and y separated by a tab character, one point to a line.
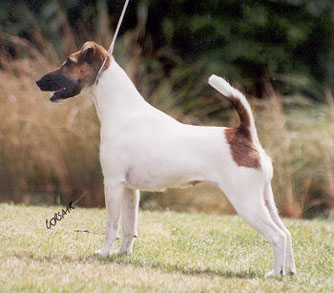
62	87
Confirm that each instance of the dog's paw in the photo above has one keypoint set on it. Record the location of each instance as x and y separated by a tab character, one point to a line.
291	272
121	252
102	252
117	252
275	273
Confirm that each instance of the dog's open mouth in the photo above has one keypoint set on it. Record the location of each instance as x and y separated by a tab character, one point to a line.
61	88
65	92
61	94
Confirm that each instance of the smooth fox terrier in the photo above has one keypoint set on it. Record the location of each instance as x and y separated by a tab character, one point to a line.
143	148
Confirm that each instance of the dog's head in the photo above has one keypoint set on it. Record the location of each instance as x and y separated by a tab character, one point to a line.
77	72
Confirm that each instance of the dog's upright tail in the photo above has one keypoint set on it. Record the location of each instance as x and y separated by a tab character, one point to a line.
239	102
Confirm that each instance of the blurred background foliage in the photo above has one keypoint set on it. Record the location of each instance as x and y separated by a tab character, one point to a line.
279	51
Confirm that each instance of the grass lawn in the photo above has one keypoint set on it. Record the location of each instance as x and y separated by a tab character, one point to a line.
175	252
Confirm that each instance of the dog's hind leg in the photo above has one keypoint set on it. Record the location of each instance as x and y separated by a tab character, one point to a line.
270	204
129	220
113	197
249	203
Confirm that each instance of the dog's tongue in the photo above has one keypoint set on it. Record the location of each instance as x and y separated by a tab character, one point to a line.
65	93
58	95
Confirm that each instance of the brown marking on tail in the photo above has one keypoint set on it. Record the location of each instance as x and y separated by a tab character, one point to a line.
242	139
239	138
243	115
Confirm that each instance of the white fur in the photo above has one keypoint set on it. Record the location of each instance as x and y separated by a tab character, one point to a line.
143	148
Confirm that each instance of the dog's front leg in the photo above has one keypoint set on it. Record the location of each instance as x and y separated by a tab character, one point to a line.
129	220
113	198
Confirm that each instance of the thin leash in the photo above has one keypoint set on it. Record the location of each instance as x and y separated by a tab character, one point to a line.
111	48
82	196
86	230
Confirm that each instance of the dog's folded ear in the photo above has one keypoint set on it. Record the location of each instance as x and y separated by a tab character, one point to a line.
87	53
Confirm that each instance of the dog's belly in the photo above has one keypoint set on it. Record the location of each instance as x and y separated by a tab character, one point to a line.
150	180
156	171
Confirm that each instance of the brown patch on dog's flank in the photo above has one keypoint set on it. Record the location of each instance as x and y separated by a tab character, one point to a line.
243	151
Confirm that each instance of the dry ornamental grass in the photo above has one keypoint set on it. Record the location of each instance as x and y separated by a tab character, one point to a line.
49	153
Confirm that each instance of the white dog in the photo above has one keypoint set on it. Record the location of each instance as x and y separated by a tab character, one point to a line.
143	148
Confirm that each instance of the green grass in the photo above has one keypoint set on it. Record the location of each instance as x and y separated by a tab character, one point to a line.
175	252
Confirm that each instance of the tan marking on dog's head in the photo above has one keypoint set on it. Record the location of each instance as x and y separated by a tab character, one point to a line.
244	152
89	60
77	72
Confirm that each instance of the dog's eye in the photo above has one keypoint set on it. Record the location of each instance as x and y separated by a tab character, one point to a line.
68	62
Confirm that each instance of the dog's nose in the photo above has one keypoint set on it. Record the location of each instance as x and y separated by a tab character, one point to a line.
39	83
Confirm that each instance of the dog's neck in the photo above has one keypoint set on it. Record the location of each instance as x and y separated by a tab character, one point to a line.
115	95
